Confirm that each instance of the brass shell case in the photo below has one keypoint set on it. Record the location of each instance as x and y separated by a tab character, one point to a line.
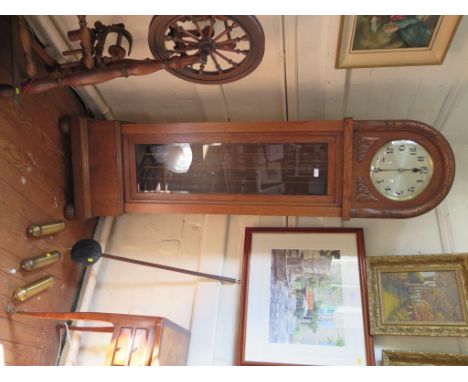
40	261
25	292
38	230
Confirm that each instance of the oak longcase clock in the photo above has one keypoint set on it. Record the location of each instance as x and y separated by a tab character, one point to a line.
343	168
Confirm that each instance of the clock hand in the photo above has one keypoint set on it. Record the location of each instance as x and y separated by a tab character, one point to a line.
378	169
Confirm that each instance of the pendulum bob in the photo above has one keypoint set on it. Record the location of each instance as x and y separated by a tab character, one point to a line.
86	252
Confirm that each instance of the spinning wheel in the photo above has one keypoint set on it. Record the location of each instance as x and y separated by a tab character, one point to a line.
202	49
230	47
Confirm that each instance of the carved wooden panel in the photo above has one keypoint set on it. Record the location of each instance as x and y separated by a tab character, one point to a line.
364	194
364	144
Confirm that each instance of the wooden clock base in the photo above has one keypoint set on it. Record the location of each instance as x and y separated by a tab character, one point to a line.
97	176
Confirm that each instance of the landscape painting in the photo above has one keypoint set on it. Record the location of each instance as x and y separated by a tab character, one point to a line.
421	296
306	297
394	32
418	295
304	300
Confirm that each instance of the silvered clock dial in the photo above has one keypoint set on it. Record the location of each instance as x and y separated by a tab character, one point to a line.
401	170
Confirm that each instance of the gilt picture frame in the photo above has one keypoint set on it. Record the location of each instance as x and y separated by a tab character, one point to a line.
381	41
421	295
406	358
304	298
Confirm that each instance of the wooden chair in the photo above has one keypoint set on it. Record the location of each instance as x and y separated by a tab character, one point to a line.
136	340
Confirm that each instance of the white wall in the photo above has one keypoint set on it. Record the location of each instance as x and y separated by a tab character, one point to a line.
457	201
214	244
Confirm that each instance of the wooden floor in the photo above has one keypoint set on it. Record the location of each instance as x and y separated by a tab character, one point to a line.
33	173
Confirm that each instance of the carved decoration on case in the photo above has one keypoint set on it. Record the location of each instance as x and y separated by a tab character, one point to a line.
364	144
364	194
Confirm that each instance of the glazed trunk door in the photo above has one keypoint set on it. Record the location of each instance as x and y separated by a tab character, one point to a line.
259	172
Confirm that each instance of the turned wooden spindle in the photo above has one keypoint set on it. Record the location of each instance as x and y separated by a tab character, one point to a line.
87	59
123	68
25	38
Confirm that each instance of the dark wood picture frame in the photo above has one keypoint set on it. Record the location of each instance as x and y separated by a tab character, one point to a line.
250	236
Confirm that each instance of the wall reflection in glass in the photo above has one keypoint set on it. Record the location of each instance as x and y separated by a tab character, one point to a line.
234	168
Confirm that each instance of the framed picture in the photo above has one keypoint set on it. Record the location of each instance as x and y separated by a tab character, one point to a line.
399	358
373	41
418	295
303	298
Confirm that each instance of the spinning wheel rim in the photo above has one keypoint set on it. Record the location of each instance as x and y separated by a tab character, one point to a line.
211	45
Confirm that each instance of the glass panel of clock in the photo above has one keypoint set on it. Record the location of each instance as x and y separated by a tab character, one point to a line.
234	168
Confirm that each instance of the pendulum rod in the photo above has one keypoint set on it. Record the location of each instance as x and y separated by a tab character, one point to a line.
168	268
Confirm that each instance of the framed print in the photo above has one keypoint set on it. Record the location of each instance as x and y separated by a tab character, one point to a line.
399	358
373	41
303	298
423	295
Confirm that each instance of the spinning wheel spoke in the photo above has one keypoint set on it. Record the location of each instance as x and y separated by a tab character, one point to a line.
181	40
180	30
202	68
197	25
228	60
217	40
238	51
211	30
233	40
218	67
227	29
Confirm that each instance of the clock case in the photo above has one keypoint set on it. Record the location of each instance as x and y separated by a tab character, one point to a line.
104	163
